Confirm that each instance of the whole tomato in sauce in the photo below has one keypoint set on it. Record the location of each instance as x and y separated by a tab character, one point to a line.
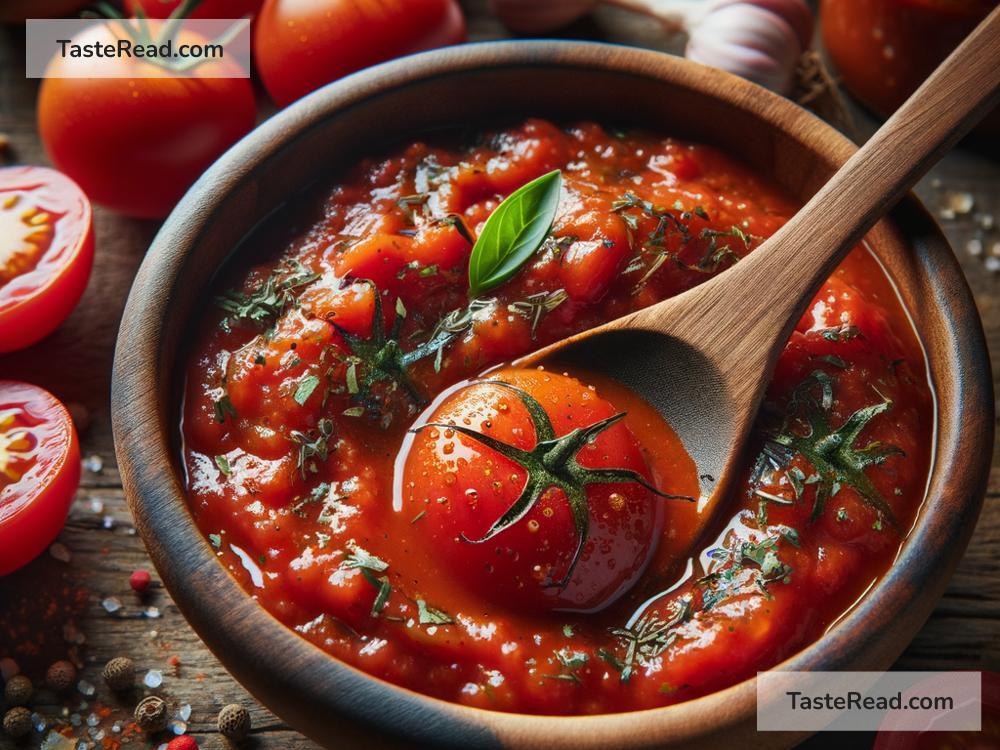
535	492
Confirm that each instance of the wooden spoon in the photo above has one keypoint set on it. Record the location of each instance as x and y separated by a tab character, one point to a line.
704	358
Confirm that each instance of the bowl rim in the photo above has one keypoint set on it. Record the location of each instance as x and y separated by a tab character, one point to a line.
298	680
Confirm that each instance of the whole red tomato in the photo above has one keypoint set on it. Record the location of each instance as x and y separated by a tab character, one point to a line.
39	471
534	492
46	252
300	45
207	9
136	144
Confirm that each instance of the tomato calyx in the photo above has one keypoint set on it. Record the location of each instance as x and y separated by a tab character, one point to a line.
380	355
141	34
832	453
552	463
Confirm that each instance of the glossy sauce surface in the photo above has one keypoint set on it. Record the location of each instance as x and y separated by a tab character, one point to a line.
293	452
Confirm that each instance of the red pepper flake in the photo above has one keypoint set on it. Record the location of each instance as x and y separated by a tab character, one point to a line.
139	581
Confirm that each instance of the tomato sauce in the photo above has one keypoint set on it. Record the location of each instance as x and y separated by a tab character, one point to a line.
354	327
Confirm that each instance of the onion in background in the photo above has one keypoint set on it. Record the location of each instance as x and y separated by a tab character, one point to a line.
760	40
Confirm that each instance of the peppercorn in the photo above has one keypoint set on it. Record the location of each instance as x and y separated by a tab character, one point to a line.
18	690
234	722
17	722
184	742
139	581
151	714
119	673
60	676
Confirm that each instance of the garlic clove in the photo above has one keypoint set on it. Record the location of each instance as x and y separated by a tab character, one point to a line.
750	41
535	16
796	14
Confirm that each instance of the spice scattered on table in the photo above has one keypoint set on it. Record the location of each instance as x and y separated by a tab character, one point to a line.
140	581
60	676
234	722
17	722
18	691
119	673
185	742
151	714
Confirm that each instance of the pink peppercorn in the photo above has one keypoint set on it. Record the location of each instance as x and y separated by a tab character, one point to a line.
139	581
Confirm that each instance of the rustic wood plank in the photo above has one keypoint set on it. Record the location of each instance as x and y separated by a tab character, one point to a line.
963	632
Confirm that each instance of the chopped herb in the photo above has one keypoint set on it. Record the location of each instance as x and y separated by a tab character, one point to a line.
841	333
354	411
454	220
450	327
429	615
764	499
369	565
568	631
223	463
361	558
571	659
648	638
305	388
419	515
314	444
265	304
534	306
216	540
384	590
611	659
318	493
842	514
224	408
569	662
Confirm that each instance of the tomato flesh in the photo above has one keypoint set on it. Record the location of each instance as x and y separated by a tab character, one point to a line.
39	471
46	252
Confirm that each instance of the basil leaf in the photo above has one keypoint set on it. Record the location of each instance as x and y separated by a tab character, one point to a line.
514	231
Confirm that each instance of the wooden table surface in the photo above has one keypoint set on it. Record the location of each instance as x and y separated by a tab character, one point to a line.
53	608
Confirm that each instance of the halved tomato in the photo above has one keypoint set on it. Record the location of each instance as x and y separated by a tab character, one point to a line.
39	471
46	252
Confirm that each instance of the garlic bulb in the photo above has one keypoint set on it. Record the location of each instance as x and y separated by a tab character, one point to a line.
761	40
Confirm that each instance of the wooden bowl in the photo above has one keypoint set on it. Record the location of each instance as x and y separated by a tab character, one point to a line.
334	127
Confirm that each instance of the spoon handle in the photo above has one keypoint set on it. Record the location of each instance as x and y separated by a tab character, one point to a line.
805	251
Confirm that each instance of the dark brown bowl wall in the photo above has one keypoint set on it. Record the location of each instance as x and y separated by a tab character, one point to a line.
476	85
